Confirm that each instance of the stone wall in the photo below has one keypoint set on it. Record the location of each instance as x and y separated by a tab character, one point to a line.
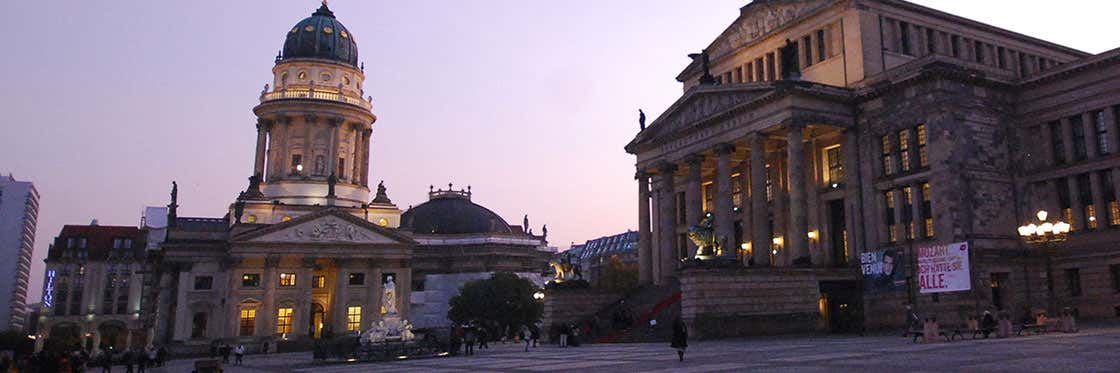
719	303
572	305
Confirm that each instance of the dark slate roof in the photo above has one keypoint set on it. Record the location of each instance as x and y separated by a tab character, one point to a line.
452	215
609	245
321	36
99	241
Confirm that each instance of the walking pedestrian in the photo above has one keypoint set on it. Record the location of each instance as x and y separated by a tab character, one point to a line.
471	338
564	331
482	338
161	355
535	334
525	335
680	338
225	350
239	353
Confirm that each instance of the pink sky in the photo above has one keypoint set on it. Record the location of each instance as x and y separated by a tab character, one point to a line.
530	102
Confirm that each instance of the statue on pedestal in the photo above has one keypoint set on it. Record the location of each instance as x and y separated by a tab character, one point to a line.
389	296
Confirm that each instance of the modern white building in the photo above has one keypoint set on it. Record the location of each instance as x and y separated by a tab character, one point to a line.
19	212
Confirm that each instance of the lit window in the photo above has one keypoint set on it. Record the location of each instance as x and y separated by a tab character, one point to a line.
835	172
319	282
709	191
251	219
888	160
248	321
1091	216
892	234
357	278
284	320
287	279
1114	213
927	210
302	75
251	280
354	318
923	154
904	149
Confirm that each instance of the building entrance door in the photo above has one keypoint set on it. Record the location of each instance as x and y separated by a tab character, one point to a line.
842	305
838	238
316	326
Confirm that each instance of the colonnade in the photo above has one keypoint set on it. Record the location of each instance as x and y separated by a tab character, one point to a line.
278	133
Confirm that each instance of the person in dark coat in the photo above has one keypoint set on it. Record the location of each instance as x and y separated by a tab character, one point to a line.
988	323
680	338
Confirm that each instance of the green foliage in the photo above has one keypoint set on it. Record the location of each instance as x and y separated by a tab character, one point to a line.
16	340
617	276
502	300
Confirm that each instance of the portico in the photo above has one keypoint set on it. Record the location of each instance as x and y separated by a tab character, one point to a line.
756	157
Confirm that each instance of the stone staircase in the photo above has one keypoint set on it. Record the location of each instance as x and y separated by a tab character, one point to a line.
628	319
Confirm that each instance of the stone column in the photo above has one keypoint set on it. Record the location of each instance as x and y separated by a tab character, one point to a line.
338	299
301	316
745	205
332	147
1067	139
182	325
798	228
722	201
916	211
356	154
667	229
365	156
760	239
1046	148
285	162
1076	204
373	295
262	139
694	201
1100	207
645	248
266	315
308	146
853	199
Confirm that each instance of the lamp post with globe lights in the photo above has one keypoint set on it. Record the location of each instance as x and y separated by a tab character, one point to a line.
1046	235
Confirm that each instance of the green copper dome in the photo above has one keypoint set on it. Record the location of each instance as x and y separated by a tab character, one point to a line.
320	36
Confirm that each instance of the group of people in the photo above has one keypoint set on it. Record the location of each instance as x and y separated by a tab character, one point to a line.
465	337
225	350
134	360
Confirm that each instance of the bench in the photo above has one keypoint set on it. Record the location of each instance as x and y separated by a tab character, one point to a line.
1032	327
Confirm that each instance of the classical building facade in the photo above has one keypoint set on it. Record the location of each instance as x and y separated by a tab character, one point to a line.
94	285
814	131
19	213
304	252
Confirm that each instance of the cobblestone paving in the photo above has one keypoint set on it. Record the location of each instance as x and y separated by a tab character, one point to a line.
1093	350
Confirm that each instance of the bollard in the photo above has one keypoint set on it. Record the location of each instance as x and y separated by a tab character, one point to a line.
1004	327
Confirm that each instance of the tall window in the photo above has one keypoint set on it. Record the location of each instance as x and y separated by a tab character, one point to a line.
1064	202
709	191
297	164
682	217
122	294
822	49
748	72
357	278
904	149
248	321
353	318
198	325
807	47
927	210
904	34
318	282
737	197
287	279
1073	281
1085	194
908	212
76	299
769	184
888	159
1078	138
978	51
284	320
61	293
892	232
107	294
1057	146
931	42
1103	146
771	75
1001	61
341	168
835	172
1108	179
955	45
923	154
759	74
203	282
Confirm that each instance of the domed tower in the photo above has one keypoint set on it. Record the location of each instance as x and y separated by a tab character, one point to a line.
313	128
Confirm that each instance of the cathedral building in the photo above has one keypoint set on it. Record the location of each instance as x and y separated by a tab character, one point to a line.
305	252
832	140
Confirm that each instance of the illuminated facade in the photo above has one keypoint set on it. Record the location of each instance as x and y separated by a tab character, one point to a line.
814	131
19	214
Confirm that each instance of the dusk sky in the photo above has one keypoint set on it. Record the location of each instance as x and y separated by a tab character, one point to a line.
529	102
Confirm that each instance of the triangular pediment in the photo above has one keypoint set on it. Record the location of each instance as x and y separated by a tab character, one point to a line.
697	105
759	18
330	226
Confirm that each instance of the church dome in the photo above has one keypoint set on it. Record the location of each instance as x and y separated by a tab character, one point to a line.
321	36
452	212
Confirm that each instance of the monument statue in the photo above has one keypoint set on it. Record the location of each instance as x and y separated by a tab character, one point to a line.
703	236
705	66
544	232
389	296
642	119
331	181
525	222
382	196
788	55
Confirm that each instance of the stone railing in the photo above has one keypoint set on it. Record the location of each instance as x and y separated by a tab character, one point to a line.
312	93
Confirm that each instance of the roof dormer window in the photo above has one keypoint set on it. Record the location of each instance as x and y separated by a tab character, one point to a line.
122	243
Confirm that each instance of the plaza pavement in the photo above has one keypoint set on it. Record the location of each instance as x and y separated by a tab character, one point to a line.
1092	350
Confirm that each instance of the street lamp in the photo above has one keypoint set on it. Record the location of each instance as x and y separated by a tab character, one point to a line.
1046	235
539	296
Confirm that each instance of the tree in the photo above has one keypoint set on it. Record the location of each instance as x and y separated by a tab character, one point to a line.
617	276
503	300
